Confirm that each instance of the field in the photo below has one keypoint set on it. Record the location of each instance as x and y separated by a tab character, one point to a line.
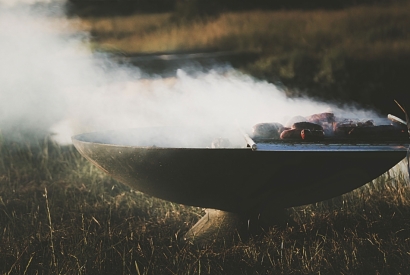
360	54
60	215
366	32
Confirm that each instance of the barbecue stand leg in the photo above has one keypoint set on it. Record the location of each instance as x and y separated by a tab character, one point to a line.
215	225
222	226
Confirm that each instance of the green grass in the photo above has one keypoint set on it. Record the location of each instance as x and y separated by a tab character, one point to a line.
60	215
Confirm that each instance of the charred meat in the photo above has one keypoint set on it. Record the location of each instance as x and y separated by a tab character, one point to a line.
319	127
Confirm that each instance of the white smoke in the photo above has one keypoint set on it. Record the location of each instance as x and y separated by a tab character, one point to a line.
51	80
21	3
44	61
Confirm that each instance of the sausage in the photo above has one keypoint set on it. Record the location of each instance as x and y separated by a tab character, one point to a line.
312	135
291	134
307	125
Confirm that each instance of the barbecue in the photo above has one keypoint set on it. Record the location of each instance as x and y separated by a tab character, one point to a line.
326	126
315	159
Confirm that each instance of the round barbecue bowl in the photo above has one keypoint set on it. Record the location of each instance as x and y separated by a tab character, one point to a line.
239	180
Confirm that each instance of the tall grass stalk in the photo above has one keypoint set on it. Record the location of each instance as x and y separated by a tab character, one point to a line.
81	221
53	254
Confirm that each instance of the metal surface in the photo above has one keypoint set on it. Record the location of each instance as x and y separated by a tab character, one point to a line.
237	179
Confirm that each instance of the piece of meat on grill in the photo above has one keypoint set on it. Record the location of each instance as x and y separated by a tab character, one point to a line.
293	134
307	125
321	118
312	135
344	127
284	129
267	130
294	120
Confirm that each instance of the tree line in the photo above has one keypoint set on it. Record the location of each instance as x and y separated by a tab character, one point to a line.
194	8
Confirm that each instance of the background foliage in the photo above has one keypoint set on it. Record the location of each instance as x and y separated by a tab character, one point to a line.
359	54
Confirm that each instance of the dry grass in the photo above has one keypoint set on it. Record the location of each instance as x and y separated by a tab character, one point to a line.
358	31
358	55
60	215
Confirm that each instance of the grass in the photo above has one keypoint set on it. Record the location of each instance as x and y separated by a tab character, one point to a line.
359	54
354	30
60	215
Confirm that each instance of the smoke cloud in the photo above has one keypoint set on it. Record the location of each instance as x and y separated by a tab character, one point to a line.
13	3
50	80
